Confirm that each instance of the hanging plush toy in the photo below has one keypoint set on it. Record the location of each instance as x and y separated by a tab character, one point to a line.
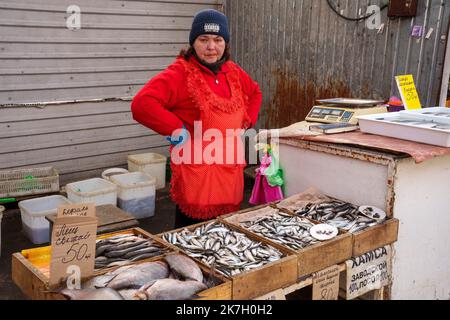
269	178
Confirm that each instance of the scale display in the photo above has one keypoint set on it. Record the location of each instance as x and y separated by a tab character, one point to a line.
338	114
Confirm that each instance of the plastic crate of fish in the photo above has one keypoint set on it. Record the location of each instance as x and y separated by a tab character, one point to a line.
23	182
368	232
293	233
255	266
31	268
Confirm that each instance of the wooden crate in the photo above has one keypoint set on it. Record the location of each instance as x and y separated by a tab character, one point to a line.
34	284
255	283
313	258
375	237
221	291
371	238
254	208
33	279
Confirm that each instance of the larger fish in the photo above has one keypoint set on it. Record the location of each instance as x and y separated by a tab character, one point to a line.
92	294
184	267
103	280
99	281
139	275
170	289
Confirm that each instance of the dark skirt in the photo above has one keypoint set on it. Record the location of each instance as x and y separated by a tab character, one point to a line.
182	220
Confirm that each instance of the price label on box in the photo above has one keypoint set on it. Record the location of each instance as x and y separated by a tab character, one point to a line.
326	284
371	271
73	245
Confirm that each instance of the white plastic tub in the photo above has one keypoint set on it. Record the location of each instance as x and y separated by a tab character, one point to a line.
98	191
33	213
2	208
401	127
107	174
153	164
437	114
136	194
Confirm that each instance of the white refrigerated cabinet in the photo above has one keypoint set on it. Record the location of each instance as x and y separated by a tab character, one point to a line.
416	194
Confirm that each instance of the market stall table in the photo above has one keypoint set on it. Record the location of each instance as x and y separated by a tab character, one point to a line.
408	180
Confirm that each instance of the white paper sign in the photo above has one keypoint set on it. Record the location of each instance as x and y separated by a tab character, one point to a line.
326	284
368	272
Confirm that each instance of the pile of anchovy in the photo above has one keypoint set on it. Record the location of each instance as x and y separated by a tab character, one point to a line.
228	251
125	249
282	228
340	214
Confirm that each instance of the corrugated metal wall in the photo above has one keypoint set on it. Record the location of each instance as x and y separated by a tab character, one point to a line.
299	50
120	46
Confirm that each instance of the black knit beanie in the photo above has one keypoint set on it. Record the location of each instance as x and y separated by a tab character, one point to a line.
209	21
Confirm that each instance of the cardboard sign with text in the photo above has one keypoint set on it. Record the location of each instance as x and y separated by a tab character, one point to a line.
73	243
326	284
408	92
371	271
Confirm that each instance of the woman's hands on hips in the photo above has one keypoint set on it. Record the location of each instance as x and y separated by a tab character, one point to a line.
177	137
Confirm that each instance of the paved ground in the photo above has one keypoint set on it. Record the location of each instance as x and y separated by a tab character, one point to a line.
13	240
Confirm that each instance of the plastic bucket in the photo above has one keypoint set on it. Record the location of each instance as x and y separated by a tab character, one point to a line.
98	191
107	174
153	164
136	194
33	213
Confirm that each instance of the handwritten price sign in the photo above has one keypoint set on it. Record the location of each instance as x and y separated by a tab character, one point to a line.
326	284
73	243
408	92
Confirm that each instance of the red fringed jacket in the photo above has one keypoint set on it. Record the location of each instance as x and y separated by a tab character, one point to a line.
164	105
184	93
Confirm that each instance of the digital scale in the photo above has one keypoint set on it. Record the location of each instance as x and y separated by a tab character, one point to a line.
343	110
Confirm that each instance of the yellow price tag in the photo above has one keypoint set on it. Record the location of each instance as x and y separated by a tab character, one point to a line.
408	92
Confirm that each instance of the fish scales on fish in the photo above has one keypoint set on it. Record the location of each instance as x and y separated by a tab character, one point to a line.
229	252
124	249
340	214
170	289
184	267
139	275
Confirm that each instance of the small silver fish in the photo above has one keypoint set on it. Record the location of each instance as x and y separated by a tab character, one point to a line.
341	214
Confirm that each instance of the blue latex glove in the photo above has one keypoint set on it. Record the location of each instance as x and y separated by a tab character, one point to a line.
182	138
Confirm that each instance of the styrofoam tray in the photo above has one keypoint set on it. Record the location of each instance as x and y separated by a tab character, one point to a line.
398	126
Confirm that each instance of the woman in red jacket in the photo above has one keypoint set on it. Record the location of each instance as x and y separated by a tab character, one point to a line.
202	89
